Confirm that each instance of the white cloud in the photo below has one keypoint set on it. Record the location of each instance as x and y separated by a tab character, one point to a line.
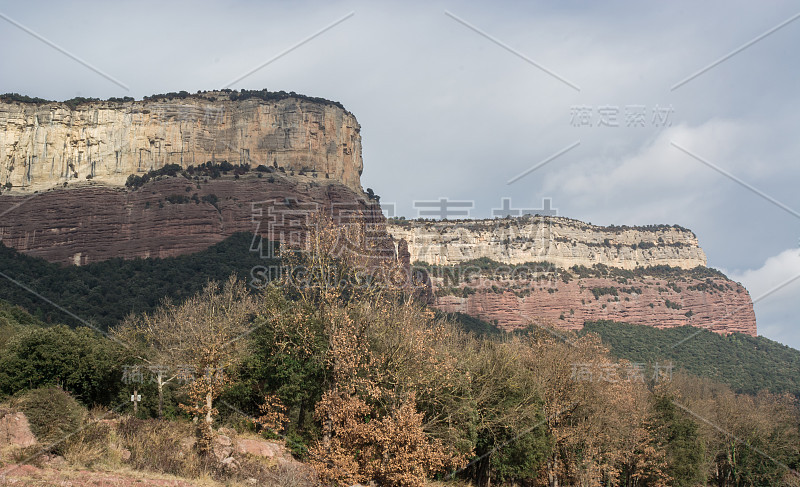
776	309
775	271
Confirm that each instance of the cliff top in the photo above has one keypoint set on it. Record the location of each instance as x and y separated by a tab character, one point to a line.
486	223
47	144
214	95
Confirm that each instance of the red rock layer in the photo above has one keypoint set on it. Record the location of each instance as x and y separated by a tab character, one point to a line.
569	305
176	216
95	223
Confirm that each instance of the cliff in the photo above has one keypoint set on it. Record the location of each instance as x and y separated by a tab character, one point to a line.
66	165
47	144
563	272
168	217
561	241
716	304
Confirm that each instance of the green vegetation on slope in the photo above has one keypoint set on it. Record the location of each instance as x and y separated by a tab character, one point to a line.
472	324
746	364
232	95
367	384
103	293
14	319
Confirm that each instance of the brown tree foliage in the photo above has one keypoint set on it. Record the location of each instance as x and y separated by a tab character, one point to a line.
380	354
205	337
362	446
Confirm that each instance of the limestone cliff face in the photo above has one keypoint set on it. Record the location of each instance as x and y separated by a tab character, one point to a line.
559	241
48	144
552	292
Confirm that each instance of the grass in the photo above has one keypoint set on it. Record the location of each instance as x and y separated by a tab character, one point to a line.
129	447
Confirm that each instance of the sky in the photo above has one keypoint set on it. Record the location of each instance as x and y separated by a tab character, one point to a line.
619	113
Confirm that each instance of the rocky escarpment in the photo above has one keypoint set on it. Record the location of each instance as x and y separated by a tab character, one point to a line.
561	241
63	168
714	303
48	144
563	272
168	217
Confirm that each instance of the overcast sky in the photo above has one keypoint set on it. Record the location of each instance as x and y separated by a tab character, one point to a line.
456	99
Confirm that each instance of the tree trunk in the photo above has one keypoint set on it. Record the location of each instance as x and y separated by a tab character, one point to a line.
552	473
327	433
209	402
483	471
160	395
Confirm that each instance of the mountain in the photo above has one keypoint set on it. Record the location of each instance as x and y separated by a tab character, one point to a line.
561	272
87	181
46	144
90	180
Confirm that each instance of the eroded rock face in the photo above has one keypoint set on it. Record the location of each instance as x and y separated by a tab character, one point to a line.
561	241
166	218
538	283
15	430
716	304
45	145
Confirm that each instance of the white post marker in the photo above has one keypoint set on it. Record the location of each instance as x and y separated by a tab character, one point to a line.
135	399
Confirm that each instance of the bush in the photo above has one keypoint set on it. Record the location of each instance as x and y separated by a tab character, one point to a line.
211	199
169	447
135	181
16	97
89	446
53	415
159	446
600	291
178	199
79	360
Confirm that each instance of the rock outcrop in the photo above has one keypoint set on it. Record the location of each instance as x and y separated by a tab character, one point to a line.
166	218
715	304
15	431
561	241
562	272
63	169
44	145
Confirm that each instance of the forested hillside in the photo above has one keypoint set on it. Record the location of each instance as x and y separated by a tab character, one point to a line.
103	293
746	364
366	384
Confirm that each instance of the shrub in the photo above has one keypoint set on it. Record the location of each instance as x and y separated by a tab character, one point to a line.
78	360
600	291
159	446
178	199
53	415
89	446
211	199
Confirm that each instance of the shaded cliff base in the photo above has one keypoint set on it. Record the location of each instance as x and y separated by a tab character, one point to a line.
171	215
